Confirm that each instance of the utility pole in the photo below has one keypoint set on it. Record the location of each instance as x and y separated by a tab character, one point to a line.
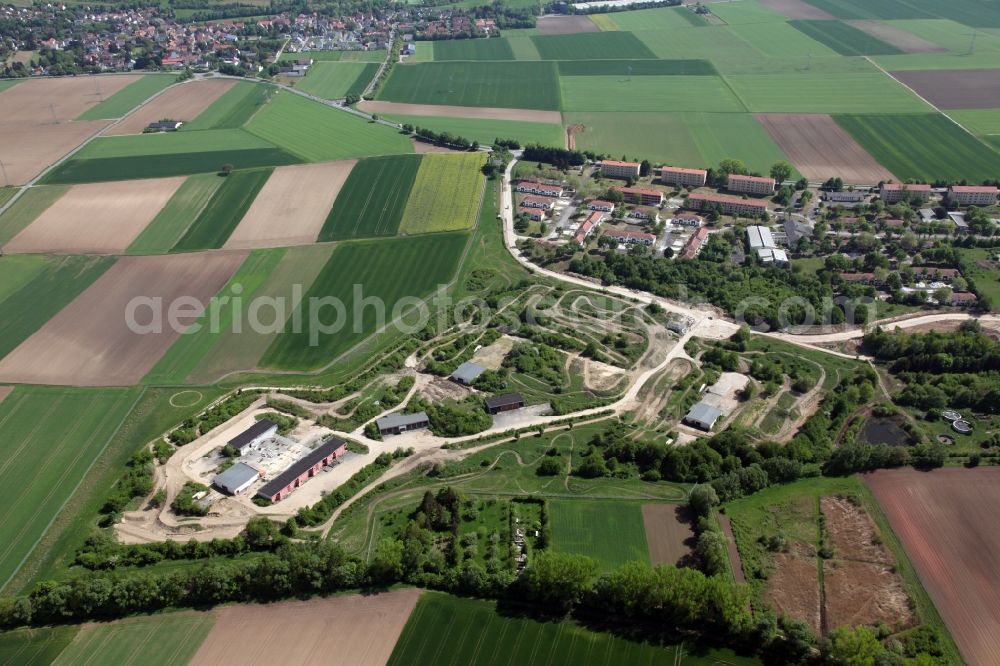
972	43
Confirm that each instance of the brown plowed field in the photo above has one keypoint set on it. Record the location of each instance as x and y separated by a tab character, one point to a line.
182	102
27	149
668	532
390	108
350	630
946	520
89	343
820	149
898	37
954	88
292	206
98	218
797	9
565	25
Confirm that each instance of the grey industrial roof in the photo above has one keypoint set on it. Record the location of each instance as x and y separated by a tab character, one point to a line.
504	400
796	230
252	433
235	476
704	413
299	466
399	419
467	372
759	236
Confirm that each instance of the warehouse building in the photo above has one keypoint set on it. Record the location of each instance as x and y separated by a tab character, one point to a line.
504	403
762	243
236	479
254	436
703	416
467	373
397	423
303	469
684	177
616	169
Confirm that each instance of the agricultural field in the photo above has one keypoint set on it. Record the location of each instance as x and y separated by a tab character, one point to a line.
664	18
34	647
859	92
636	68
845	39
471	49
49	438
522	85
176	216
223	212
933	148
182	102
128	97
611	532
336	80
389	270
373	199
451	631
579	46
668	533
445	194
168	639
780	40
316	56
17	271
485	131
564	25
984	123
32	203
364	56
969	12
317	133
949	89
718	43
648	93
234	108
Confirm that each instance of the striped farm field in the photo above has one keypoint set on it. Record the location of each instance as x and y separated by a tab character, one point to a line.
471	49
168	639
234	108
174	219
389	270
49	438
861	92
336	80
514	84
648	93
485	131
223	212
316	56
128	97
18	270
845	39
925	147
34	647
27	208
172	143
372	201
584	45
636	68
446	193
611	532
780	40
663	18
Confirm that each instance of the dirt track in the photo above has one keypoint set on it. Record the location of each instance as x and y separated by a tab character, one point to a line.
89	342
946	522
897	37
820	149
349	630
292	206
668	533
565	25
955	88
796	9
391	108
97	218
183	102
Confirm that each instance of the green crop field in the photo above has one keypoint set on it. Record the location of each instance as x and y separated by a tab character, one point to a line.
779	40
625	68
451	631
808	92
845	39
926	147
336	80
49	438
984	123
47	293
486	131
128	97
318	133
663	18
317	56
471	49
747	11
611	532
34	647
582	46
522	46
7	193
171	143
446	193
364	56
187	353
973	13
717	43
8	83
26	209
174	219
373	198
233	108
223	212
521	85
388	270
168	639
17	270
648	93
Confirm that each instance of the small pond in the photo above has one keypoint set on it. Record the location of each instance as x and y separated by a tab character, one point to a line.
884	431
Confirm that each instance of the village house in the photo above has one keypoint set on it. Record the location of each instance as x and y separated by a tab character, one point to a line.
530	187
694	243
626	237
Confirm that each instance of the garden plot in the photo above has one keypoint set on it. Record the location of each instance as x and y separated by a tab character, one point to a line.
955	88
89	343
100	218
292	206
183	102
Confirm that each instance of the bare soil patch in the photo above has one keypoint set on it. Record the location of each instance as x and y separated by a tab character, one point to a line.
441	388
820	149
571	132
182	102
734	553
797	9
26	149
852	532
492	356
668	532
97	218
793	587
565	25
360	630
424	147
945	520
898	37
292	206
484	113
47	101
90	343
859	593
954	88
5	391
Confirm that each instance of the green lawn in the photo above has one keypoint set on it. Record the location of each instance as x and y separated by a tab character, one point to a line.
582	46
611	532
485	131
317	133
626	68
983	271
34	647
386	269
26	210
317	56
38	300
845	39
174	219
373	198
648	93
49	438
809	92
223	212
471	49
128	97
445	194
514	84
168	639
233	108
925	147
336	80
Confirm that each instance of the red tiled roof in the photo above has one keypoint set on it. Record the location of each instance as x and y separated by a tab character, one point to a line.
639	190
963	296
912	187
630	234
618	163
974	189
751	179
723	198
